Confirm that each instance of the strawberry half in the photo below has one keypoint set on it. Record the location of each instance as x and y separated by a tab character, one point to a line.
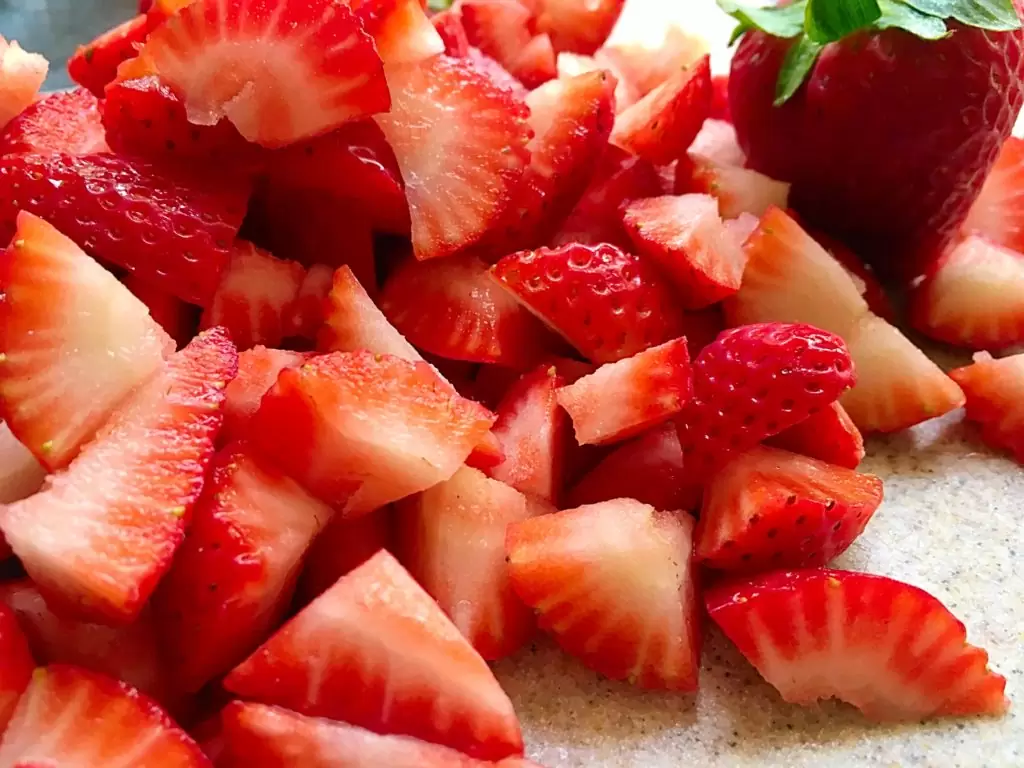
258	369
16	664
802	628
101	534
68	121
828	435
74	342
997	214
69	716
233	577
772	509
575	26
995	394
22	75
279	72
453	309
688	240
460	140
362	429
614	584
607	303
173	227
425	681
21	474
738	190
95	64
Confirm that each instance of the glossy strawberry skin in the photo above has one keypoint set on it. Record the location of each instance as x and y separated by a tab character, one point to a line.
866	136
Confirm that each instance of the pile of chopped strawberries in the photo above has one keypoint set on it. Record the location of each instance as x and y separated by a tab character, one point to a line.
345	347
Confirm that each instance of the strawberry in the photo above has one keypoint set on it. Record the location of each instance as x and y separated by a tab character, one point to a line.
460	141
448	24
575	26
662	125
101	534
532	435
994	397
95	64
21	474
614	584
172	227
361	429
647	66
686	237
501	30
401	30
179	320
537	63
716	144
452	308
862	274
21	76
69	716
233	578
254	297
425	681
973	296
737	190
340	548
648	468
621	400
607	303
306	315
74	342
828	435
16	664
802	628
769	508
571	65
996	215
67	121
857	128
452	539
258	369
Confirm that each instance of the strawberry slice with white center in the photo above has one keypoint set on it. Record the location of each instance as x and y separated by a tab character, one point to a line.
770	508
400	29
258	369
687	238
995	400
74	342
614	584
21	474
890	649
717	144
738	190
828	435
71	717
280	71
575	26
21	76
621	400
99	536
460	140
16	664
452	539
377	652
998	213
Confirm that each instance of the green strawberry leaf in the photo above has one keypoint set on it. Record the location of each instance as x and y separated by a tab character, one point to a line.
439	5
995	15
827	21
940	9
896	15
795	67
784	22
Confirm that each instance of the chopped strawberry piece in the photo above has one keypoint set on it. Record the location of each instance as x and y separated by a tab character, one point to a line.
536	63
487	454
21	474
21	76
173	227
775	509
364	429
16	664
74	342
580	27
68	121
662	125
863	275
737	190
621	400
306	66
454	309
460	141
995	396
607	303
424	681
95	65
997	214
258	369
499	76
615	585
571	65
69	716
307	313
400	29
648	66
179	320
499	28
716	145
686	237
101	534
233	578
802	628
828	435
448	24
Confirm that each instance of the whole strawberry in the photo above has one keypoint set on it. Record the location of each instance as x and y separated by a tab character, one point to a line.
885	118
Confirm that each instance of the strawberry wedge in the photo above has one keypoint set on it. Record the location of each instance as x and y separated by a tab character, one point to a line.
16	664
94	65
998	213
828	435
995	396
67	121
258	369
21	76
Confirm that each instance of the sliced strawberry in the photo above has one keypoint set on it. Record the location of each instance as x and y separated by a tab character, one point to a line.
863	275
828	435
68	121
648	66
775	509
499	28
173	227
662	125
536	64
179	320
571	65
607	303
614	584
74	342
802	628
686	237
737	190
21	474
258	369
997	214
235	573
22	75
365	429
401	30
101	534
452	308
424	681
16	664
95	65
580	27
306	316
448	24
995	396
461	142
69	716
716	145
499	76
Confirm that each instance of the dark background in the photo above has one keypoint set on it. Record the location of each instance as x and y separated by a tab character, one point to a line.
55	27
